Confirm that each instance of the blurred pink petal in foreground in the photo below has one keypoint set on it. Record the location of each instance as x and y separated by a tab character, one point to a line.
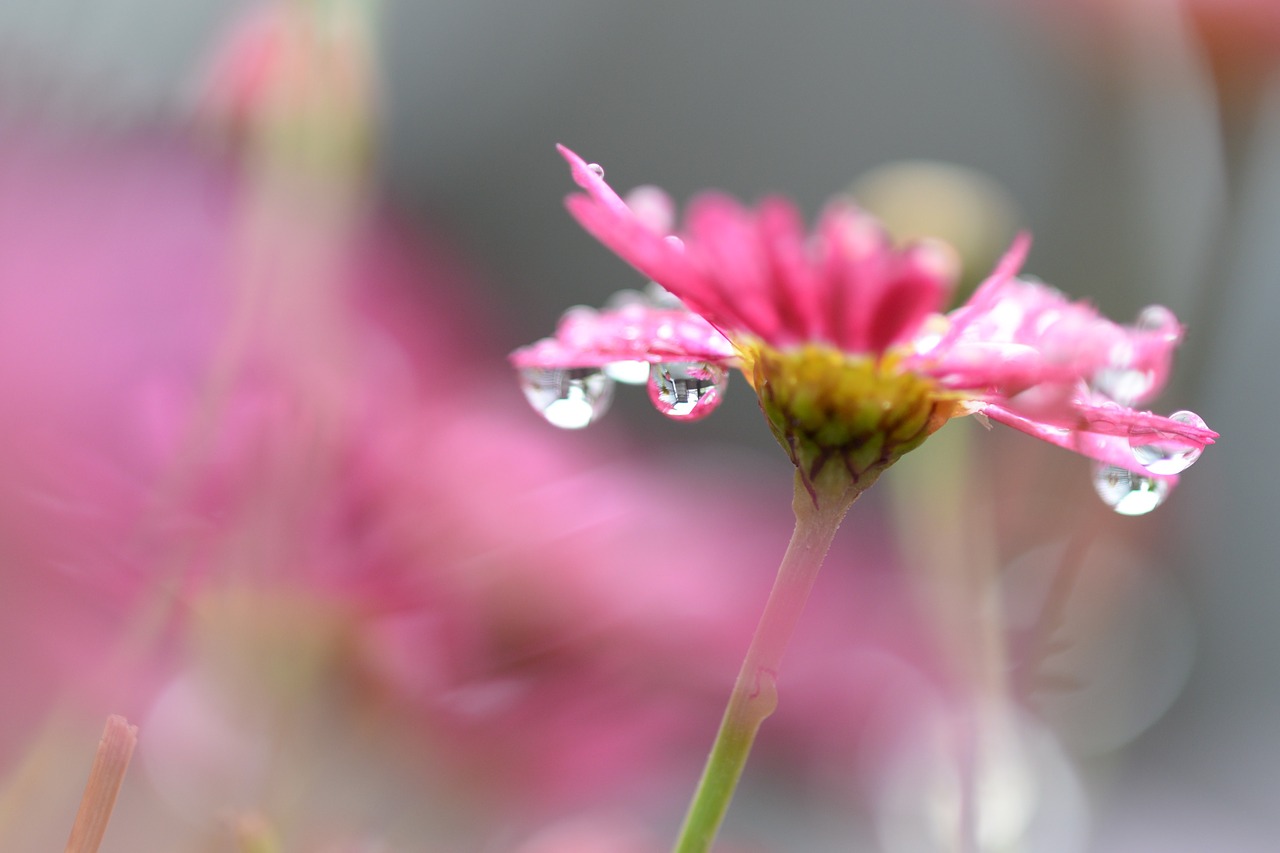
232	493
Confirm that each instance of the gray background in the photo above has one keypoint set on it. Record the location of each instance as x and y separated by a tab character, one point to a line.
1114	165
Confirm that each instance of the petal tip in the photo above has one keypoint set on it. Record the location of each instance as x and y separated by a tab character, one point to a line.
586	175
1016	255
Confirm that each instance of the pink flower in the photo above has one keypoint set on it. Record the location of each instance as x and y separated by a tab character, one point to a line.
844	340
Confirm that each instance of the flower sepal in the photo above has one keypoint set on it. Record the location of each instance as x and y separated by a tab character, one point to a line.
842	418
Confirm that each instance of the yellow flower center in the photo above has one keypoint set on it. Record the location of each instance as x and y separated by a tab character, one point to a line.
843	418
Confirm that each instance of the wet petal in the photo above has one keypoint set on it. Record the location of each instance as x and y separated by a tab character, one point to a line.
635	332
1102	431
608	218
1071	340
754	272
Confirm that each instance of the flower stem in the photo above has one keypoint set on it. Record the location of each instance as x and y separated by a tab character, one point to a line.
754	694
105	778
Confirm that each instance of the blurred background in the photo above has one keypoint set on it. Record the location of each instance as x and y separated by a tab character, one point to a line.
229	350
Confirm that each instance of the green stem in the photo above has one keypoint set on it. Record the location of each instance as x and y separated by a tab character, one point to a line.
754	694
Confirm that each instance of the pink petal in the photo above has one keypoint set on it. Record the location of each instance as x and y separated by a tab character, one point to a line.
852	247
798	294
592	180
1071	341
1006	269
993	367
589	338
608	218
739	291
754	271
921	279
1101	431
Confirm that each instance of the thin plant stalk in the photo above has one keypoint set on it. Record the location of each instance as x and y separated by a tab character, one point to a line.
105	778
754	694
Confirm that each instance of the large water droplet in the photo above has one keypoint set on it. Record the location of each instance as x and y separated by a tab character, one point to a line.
597	169
687	390
1166	456
569	398
1128	492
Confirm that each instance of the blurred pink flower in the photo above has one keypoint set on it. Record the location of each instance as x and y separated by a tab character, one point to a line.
219	499
793	310
1239	40
296	78
261	496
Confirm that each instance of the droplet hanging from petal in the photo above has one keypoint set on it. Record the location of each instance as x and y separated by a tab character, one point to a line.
1161	454
570	398
1123	383
1129	492
1159	319
687	391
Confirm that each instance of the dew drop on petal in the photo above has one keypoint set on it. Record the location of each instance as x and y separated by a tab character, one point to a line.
1157	318
625	299
687	391
570	398
577	314
1166	456
1123	384
660	297
1128	492
628	372
597	169
577	327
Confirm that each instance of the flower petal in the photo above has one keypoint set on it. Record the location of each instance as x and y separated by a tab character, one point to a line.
753	271
1102	431
918	282
1051	340
738	289
635	332
608	218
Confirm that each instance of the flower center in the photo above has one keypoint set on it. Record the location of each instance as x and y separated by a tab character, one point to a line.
843	418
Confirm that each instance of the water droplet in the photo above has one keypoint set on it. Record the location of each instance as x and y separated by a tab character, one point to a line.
1157	318
1123	384
687	391
577	315
569	398
624	299
628	372
1163	455
597	169
660	297
1128	492
577	327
